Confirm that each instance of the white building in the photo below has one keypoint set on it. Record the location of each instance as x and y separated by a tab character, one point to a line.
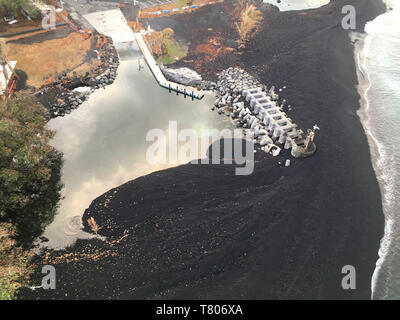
7	77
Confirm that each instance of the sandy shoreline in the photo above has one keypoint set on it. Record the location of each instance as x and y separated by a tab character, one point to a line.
281	233
377	154
382	286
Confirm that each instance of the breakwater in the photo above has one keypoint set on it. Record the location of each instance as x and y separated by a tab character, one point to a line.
256	109
250	104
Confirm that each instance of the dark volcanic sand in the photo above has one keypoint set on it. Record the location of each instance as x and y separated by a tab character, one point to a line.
280	233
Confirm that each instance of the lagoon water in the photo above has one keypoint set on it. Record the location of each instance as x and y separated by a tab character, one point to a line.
104	140
378	58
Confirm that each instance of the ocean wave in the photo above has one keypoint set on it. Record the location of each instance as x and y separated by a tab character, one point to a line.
382	150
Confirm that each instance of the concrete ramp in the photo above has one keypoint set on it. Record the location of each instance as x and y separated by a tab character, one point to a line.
111	23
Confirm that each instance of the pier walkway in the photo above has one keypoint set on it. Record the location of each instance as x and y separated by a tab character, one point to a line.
162	81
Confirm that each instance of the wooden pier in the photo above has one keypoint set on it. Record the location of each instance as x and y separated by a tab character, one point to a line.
162	81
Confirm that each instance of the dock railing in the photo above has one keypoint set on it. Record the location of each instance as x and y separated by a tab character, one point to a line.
162	81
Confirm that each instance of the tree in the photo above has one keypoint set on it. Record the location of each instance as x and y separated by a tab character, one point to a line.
11	7
14	263
29	168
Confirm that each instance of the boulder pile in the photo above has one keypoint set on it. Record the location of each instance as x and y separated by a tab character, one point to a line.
187	77
257	109
71	101
64	94
230	101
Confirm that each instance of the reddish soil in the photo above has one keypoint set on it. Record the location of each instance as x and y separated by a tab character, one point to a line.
209	32
54	57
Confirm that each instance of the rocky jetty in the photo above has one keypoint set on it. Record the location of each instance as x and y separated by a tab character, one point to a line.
67	93
256	109
70	101
187	77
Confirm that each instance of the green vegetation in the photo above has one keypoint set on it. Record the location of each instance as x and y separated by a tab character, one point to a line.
29	187
165	48
175	51
12	8
29	169
31	10
14	263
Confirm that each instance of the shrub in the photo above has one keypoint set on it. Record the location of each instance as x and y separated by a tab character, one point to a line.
11	7
250	19
29	168
14	263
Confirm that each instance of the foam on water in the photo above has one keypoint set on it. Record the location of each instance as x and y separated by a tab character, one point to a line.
378	57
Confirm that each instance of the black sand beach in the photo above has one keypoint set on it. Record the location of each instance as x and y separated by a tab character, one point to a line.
280	233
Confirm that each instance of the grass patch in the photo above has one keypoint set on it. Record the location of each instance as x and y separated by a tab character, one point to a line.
175	51
165	48
14	263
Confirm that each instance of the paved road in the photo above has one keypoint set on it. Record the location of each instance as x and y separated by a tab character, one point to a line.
79	8
113	24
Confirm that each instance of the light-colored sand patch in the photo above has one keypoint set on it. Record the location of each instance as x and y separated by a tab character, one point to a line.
111	23
287	5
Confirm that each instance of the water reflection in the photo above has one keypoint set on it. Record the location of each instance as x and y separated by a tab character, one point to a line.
104	143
